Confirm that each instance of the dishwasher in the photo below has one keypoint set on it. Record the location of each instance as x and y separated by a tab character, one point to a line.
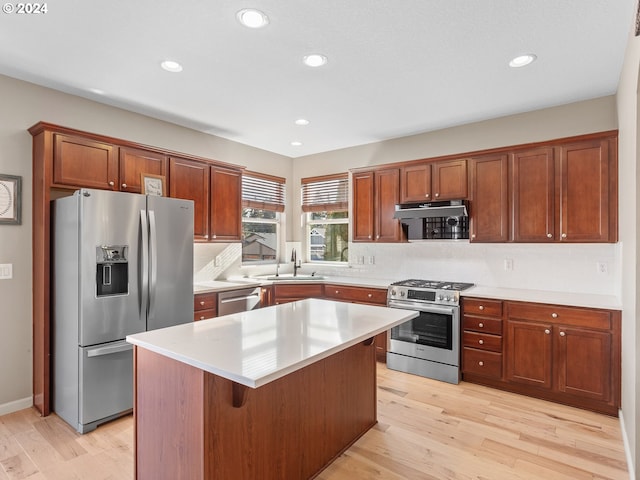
241	300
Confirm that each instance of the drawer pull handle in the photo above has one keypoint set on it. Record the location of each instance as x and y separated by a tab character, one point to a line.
201	302
480	325
554	315
481	342
481	363
481	307
547	331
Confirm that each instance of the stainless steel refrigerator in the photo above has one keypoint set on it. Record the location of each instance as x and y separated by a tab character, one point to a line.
122	264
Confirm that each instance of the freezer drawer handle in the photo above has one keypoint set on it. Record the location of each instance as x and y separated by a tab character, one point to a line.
121	347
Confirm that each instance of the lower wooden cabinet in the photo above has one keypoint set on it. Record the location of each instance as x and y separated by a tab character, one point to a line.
205	305
285	293
565	354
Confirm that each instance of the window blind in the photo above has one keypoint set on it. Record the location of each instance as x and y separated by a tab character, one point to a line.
329	192
263	191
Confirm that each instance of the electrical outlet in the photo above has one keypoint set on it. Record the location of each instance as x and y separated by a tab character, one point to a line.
602	267
6	271
371	260
508	264
218	261
361	260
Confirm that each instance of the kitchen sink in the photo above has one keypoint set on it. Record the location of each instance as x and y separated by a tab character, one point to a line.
289	277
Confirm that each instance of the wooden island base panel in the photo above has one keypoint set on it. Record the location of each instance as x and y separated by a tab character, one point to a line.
194	425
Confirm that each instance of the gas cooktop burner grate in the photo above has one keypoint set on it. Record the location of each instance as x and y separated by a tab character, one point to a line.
434	284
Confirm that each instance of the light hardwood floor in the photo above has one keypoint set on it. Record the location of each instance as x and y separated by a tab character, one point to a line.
427	430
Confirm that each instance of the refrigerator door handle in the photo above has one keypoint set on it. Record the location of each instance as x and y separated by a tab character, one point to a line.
144	264
110	349
153	262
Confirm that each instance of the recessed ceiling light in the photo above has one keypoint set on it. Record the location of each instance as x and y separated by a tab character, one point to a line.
296	144
252	18
522	60
314	60
302	121
171	66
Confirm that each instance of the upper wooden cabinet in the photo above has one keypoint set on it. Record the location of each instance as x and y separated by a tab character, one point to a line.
133	162
489	199
565	193
441	180
81	162
225	217
190	181
375	195
533	195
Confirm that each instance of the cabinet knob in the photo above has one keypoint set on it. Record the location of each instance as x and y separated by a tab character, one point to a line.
426	195
214	236
377	236
337	292
473	236
124	185
369	237
481	342
547	331
369	295
481	363
549	235
562	334
481	307
564	235
437	195
480	325
202	317
111	184
201	302
554	315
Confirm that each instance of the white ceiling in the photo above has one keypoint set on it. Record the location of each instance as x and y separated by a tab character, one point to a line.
396	67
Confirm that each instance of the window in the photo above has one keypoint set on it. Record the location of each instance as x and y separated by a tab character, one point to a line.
325	201
262	204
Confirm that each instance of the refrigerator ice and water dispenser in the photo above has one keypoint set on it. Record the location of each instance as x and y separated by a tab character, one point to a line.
112	272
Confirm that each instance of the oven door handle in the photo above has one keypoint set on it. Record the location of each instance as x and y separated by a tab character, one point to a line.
421	307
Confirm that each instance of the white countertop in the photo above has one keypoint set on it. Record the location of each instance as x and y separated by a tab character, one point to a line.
222	286
256	347
610	302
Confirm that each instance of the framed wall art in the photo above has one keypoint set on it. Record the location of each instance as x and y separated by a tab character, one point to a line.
152	184
10	200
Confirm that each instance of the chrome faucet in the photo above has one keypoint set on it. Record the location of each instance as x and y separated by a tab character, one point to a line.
296	262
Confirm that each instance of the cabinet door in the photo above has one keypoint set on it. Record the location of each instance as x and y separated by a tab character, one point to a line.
79	162
387	195
489	199
584	362
533	190
380	342
362	184
133	162
528	352
415	183
450	180
226	204
585	191
190	181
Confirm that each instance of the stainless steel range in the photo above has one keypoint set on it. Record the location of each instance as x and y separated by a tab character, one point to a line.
428	345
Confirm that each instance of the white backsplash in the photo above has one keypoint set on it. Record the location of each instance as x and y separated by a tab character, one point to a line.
562	268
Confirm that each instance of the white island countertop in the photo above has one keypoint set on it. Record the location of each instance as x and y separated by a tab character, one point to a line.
256	347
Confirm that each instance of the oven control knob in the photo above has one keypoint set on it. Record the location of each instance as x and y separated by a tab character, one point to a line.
393	292
440	297
402	293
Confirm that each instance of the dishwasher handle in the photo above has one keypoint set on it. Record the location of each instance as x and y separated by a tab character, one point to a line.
238	299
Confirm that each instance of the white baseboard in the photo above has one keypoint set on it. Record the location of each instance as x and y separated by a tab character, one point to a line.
627	447
16	405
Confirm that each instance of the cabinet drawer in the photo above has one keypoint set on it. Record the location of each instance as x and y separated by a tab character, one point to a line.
481	324
203	314
580	317
482	341
482	362
481	306
204	301
298	291
356	294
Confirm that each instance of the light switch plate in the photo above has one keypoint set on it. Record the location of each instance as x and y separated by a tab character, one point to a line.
6	271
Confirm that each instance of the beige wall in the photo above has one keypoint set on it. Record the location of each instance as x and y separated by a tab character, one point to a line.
24	104
629	148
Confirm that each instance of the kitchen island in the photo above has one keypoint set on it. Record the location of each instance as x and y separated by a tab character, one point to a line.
274	393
